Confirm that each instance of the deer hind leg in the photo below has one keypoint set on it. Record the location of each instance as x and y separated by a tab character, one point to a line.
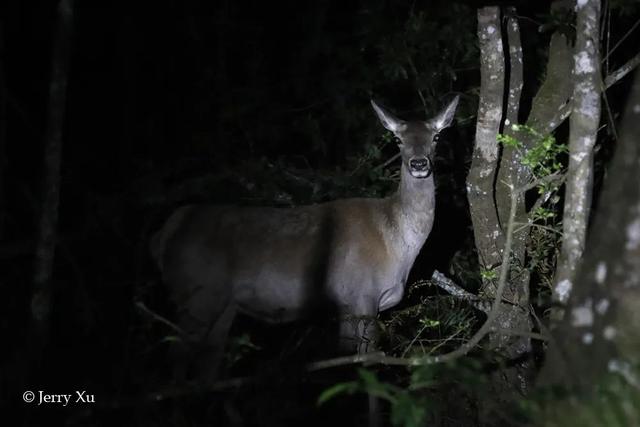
359	327
359	333
211	349
206	318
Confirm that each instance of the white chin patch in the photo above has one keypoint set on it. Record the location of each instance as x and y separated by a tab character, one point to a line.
420	174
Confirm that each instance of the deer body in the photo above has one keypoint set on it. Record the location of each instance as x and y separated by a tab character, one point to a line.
281	264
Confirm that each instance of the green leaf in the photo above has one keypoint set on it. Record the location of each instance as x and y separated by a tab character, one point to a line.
373	386
488	274
408	411
508	141
335	390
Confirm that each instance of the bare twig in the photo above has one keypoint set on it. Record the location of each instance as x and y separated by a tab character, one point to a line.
449	286
622	71
524	225
528	334
377	357
416	76
155	316
415	338
623	38
557	176
444	341
388	162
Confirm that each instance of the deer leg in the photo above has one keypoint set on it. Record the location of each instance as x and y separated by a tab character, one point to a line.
211	353
359	328
359	333
206	317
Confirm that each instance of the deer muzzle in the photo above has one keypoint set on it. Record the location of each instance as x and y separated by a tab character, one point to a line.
420	167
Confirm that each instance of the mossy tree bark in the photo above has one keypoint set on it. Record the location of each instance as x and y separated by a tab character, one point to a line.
584	122
595	354
495	176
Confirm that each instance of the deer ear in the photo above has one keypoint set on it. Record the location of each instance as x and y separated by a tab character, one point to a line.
388	120
445	117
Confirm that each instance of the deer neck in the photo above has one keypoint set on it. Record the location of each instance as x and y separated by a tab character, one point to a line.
413	207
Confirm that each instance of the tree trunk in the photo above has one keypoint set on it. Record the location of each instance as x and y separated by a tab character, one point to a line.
3	136
41	300
594	355
490	196
483	196
584	121
484	216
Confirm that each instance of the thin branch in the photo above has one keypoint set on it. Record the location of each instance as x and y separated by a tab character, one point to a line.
142	307
607	45
524	225
557	176
416	76
388	162
623	38
528	334
545	197
412	66
449	286
444	341
565	111
622	71
415	338
377	357
612	124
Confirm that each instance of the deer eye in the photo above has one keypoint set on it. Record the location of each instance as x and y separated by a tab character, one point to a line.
436	137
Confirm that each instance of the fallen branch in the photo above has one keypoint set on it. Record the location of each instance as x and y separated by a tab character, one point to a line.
449	286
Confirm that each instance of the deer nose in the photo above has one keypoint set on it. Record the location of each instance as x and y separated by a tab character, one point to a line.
420	164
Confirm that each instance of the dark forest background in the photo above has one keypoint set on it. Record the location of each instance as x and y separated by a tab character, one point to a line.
245	102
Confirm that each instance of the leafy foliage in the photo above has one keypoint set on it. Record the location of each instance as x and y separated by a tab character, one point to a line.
406	410
430	324
415	402
239	347
614	401
426	324
543	160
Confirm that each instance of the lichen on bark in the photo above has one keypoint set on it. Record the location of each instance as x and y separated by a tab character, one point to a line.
584	123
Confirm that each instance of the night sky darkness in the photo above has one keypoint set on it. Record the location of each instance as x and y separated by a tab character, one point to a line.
176	102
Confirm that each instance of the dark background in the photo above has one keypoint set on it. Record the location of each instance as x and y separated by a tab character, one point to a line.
248	102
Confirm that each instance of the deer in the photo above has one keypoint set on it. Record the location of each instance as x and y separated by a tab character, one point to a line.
280	264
